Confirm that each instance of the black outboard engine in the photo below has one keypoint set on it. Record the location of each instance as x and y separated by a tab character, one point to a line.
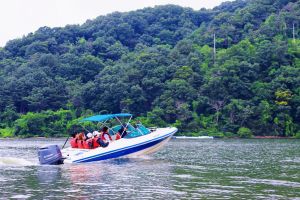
50	155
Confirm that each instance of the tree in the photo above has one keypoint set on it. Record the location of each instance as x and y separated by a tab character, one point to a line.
244	132
159	62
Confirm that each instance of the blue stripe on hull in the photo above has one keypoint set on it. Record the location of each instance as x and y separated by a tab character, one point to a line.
123	152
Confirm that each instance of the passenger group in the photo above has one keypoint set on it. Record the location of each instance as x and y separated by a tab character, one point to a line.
95	139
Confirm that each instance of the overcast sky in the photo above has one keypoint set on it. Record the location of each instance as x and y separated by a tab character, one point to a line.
20	17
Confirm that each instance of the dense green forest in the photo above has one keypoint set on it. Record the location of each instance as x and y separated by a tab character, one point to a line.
160	64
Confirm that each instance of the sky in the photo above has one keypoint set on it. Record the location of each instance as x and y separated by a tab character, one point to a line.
20	17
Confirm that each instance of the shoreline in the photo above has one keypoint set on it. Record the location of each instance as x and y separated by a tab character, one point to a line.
32	137
181	136
272	137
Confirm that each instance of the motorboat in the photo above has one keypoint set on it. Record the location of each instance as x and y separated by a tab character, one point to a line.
138	141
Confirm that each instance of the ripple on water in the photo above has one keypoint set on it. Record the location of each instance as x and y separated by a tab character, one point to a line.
20	196
184	176
270	182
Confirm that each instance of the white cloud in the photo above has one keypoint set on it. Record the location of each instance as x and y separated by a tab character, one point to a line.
20	17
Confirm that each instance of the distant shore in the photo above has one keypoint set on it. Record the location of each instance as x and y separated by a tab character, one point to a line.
272	137
175	137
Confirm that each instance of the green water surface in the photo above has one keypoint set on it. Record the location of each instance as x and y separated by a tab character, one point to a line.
183	169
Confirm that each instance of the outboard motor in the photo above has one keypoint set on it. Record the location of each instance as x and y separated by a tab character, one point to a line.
50	155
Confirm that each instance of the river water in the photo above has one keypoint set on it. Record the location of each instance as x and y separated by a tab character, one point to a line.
183	169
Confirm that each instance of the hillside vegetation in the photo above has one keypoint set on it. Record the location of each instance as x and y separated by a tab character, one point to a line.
159	64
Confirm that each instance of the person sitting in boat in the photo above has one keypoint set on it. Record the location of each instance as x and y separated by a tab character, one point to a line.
105	136
80	139
118	136
73	141
122	131
96	136
97	141
96	133
88	143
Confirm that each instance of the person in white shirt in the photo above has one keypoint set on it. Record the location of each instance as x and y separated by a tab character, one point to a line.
105	136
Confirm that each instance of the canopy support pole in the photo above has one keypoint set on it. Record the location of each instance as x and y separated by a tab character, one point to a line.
65	142
126	126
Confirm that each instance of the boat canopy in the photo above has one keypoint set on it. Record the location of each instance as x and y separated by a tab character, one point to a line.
101	118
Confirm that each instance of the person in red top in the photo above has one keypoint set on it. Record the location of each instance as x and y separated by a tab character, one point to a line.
88	143
121	133
105	136
73	141
118	136
80	140
95	139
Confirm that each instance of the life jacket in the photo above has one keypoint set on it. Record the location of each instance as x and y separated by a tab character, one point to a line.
103	138
118	136
102	143
95	143
73	143
88	144
80	144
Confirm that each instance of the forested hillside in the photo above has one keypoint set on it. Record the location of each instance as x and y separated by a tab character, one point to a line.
159	64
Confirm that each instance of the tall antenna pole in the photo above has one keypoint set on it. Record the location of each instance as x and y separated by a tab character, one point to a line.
214	48
294	33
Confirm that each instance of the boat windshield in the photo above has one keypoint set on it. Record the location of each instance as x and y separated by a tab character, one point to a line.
132	132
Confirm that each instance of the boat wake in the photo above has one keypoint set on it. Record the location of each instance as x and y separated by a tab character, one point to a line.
11	161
